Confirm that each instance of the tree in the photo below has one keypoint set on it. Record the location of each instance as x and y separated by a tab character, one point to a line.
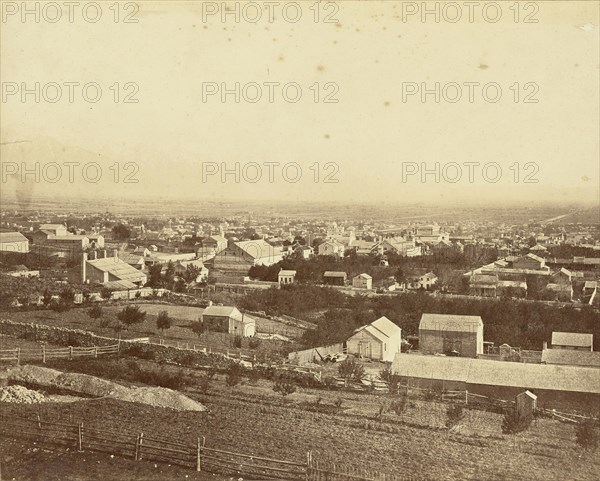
155	276
284	385
514	423
191	273
121	232
169	275
95	312
586	435
47	297
198	327
400	276
131	315
454	414
163	321
106	293
67	296
351	369
234	374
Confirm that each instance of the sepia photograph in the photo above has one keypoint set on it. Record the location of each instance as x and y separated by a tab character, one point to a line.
310	240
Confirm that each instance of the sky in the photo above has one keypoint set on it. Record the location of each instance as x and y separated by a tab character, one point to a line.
360	131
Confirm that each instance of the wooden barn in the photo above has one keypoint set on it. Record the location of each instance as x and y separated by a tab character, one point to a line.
379	340
451	334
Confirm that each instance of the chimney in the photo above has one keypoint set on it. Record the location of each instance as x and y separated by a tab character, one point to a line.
210	303
544	345
103	254
116	253
84	267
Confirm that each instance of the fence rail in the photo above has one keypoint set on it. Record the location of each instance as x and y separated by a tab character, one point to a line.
17	355
197	456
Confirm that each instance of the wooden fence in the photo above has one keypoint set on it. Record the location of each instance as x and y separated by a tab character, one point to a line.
43	354
198	456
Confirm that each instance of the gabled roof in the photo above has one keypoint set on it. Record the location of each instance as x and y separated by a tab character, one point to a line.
117	268
7	237
52	226
534	257
283	272
571	357
450	322
258	249
574	339
364	275
226	311
496	373
381	329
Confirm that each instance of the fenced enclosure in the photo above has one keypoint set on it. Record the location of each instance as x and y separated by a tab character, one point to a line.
140	446
43	354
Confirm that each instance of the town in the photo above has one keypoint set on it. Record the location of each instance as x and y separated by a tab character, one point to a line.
486	328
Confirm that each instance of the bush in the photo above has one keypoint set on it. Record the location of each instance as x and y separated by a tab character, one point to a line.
454	414
60	306
163	321
130	315
513	423
236	342
586	435
351	369
234	374
253	343
398	406
139	351
95	312
284	385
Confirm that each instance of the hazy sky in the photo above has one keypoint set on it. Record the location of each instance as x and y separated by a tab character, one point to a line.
373	55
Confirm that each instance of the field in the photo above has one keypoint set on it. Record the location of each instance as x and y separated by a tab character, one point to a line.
252	418
180	330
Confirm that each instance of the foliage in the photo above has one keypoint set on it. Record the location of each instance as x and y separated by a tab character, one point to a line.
205	380
586	435
284	385
197	328
513	423
163	321
351	369
392	380
106	293
234	374
236	341
399	405
121	232
454	414
95	312
131	315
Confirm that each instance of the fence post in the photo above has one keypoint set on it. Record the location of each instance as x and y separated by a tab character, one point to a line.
18	356
70	353
466	396
79	437
138	446
198	454
44	353
95	351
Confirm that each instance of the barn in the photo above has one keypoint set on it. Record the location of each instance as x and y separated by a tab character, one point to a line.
569	387
451	334
379	340
228	319
13	242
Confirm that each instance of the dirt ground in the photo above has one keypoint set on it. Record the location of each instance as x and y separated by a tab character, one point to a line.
253	419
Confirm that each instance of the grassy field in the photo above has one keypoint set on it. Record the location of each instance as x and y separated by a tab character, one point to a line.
253	419
180	330
7	342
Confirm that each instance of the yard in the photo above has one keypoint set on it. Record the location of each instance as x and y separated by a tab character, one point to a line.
253	419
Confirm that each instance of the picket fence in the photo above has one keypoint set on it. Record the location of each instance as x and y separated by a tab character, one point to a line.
43	354
198	456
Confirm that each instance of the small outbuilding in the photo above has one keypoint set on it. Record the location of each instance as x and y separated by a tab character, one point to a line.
362	281
286	277
228	319
334	278
379	340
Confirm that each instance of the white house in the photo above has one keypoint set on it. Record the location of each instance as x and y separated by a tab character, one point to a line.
13	242
362	281
228	319
331	248
379	340
286	276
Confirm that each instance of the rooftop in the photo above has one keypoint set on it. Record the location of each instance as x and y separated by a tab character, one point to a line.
450	322
573	339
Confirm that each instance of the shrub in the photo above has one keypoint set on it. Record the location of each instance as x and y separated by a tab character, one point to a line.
234	374
130	315
253	343
163	321
284	385
513	423
586	435
351	369
60	306
454	414
236	342
106	293
95	312
140	351
398	406
338	404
